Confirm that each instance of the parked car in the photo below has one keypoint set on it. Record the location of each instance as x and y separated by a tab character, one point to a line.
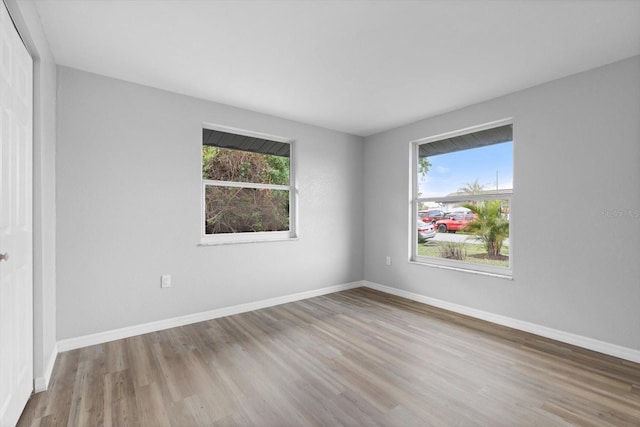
431	215
456	211
426	230
454	222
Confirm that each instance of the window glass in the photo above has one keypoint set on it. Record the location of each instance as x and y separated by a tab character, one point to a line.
243	210
246	187
468	176
225	164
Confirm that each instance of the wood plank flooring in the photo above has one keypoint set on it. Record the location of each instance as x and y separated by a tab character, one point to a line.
358	357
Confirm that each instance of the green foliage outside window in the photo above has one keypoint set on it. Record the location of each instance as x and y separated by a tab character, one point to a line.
237	210
224	164
491	226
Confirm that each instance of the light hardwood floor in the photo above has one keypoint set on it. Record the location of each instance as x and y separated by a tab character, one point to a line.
358	357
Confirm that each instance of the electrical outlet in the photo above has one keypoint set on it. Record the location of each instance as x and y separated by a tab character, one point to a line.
388	261
165	281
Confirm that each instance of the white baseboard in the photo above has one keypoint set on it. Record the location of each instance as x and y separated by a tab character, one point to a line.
566	337
116	334
42	383
554	334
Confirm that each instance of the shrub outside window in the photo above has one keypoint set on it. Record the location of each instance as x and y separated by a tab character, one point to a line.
248	191
467	178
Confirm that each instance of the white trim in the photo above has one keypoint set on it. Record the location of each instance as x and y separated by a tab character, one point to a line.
466	266
621	352
257	237
505	195
237	239
566	337
293	190
42	383
449	264
270	236
413	201
259	186
116	334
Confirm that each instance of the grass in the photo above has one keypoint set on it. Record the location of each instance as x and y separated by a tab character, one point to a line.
475	253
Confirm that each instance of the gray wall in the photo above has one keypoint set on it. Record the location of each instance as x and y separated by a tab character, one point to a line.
576	155
44	188
129	198
128	209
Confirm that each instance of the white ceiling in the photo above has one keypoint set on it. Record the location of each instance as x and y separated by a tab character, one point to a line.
355	66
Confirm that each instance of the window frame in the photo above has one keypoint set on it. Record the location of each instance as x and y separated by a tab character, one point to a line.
251	237
466	266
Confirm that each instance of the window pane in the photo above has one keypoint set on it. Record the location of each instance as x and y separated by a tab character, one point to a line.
475	232
225	164
243	210
472	171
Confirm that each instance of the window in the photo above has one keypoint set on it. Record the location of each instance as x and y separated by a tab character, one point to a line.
247	187
468	176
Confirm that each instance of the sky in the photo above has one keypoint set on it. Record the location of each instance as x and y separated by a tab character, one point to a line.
449	172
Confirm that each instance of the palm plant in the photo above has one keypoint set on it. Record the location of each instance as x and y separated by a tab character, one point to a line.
472	187
490	225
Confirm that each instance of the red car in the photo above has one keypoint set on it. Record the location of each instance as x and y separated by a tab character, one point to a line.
432	215
455	222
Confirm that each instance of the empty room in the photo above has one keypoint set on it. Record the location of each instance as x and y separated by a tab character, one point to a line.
320	213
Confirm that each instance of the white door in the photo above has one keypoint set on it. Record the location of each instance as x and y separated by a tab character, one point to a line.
16	276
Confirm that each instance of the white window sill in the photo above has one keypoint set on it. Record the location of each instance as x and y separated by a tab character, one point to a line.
245	238
506	275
